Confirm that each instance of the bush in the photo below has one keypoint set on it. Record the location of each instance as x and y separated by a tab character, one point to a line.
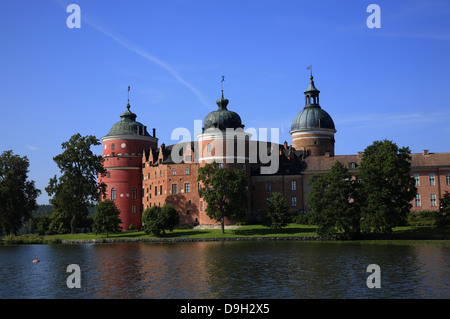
302	219
157	220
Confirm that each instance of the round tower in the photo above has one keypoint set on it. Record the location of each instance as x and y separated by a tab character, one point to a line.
224	141
122	153
313	129
223	138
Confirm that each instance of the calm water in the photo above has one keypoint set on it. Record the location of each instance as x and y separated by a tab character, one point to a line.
225	270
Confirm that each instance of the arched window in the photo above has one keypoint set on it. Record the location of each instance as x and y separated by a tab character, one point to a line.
113	194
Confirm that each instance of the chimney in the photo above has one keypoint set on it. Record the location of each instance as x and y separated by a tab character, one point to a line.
154	132
327	154
360	154
425	152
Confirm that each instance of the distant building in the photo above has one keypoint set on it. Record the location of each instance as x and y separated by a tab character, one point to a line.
141	174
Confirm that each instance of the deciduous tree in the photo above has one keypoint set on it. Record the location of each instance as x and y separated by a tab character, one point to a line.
77	187
106	218
387	187
334	202
224	192
17	194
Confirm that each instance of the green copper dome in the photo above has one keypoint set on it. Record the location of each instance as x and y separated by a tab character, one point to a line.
222	118
128	125
312	116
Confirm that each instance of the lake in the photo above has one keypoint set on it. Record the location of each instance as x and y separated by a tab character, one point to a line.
269	269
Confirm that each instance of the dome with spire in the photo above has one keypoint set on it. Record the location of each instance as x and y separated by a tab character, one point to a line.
222	118
312	116
128	125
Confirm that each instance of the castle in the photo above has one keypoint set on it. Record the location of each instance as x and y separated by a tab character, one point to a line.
141	174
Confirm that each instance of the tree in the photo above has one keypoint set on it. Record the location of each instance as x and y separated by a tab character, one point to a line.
157	219
387	187
106	218
443	214
277	213
17	194
334	202
224	192
77	187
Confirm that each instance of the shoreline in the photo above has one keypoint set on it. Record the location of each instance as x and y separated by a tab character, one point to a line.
242	239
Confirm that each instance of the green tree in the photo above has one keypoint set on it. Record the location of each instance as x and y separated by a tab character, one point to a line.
387	187
157	219
106	218
334	202
224	192
277	213
17	194
443	214
77	187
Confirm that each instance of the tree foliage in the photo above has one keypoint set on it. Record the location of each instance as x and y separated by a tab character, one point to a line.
158	219
17	194
443	214
77	187
387	187
224	192
334	203
277	213
106	218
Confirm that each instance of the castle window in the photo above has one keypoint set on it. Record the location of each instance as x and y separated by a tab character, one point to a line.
432	180
108	175
433	200
208	147
133	209
201	206
187	188
447	179
174	171
113	194
418	201
220	165
133	193
174	188
189	158
293	185
352	165
160	190
417	179
268	186
156	190
294	201
113	147
186	171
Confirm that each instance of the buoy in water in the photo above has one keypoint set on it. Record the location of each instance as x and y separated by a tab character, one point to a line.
36	260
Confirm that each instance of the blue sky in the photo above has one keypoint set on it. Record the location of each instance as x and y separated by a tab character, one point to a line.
392	82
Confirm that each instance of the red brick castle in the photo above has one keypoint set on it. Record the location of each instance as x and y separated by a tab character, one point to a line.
141	174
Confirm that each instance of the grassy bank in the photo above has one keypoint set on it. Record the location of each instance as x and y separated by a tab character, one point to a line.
293	230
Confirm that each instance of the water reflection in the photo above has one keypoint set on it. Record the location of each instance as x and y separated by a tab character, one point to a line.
225	270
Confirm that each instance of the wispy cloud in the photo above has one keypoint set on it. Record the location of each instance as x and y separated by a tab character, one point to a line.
31	147
143	53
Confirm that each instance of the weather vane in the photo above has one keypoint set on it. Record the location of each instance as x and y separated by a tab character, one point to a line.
310	68
128	94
